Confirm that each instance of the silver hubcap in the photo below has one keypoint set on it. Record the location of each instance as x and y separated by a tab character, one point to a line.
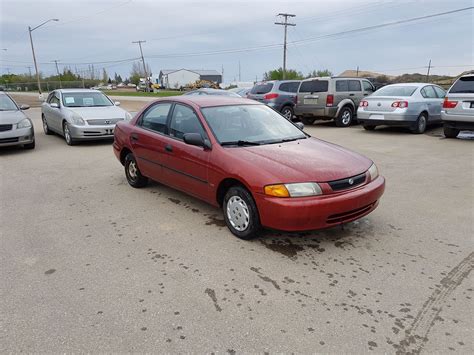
422	123
45	126
346	117
132	170
67	135
287	113
238	213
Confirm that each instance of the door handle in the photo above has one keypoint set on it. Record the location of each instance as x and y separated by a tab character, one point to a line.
134	137
168	148
351	94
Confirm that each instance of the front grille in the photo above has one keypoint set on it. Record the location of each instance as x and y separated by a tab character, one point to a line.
9	140
5	127
102	122
347	183
345	216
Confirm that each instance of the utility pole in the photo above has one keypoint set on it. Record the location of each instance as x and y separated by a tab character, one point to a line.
357	71
428	73
143	61
240	77
29	70
222	74
286	24
59	75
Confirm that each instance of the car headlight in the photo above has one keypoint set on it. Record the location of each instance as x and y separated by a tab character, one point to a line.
293	190
373	172
128	116
77	120
24	123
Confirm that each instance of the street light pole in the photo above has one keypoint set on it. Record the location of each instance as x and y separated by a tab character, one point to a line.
33	51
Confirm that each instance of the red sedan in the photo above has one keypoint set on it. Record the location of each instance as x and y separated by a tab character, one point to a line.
240	155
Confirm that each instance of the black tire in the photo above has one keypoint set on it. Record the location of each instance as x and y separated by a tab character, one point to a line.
450	132
29	145
46	129
67	134
288	112
345	117
251	224
133	174
421	124
308	120
369	127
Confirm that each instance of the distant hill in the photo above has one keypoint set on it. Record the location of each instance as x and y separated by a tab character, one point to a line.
364	74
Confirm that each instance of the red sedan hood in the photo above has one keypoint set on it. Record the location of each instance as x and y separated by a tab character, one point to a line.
304	160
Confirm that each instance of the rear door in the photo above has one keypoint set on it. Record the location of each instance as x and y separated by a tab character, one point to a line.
355	91
432	101
147	140
441	94
341	91
312	94
463	92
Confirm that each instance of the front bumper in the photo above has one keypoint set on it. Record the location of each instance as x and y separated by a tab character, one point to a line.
92	132
17	137
310	213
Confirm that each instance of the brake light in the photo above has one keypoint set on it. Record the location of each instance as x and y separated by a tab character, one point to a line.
448	103
363	104
270	96
400	104
329	100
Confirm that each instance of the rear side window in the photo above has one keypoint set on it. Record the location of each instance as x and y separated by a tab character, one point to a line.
428	92
354	85
342	85
440	92
262	88
314	86
289	87
464	85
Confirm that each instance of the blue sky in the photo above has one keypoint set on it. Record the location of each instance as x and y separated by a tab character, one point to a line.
102	30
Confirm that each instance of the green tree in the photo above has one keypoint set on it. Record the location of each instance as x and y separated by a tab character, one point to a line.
319	73
277	74
105	76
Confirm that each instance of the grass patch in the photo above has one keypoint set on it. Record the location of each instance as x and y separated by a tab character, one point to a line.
163	93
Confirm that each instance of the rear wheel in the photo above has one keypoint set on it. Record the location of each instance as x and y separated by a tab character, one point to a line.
240	213
46	129
287	112
67	134
307	120
133	174
344	119
369	127
450	132
421	123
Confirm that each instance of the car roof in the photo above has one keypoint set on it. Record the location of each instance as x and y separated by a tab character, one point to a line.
411	84
210	101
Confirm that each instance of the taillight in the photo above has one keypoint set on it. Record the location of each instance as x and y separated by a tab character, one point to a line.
270	96
363	104
400	104
448	103
329	100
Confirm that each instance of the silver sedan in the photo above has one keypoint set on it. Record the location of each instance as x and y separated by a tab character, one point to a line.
81	114
15	127
412	105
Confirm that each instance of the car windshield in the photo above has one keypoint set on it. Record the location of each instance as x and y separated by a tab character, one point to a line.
395	91
239	125
7	104
85	99
464	85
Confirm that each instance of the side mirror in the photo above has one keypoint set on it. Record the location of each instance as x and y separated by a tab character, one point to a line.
197	140
300	125
24	107
117	103
54	105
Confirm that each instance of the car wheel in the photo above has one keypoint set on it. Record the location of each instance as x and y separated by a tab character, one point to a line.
67	134
133	174
307	120
450	132
29	145
369	127
46	129
287	112
344	119
240	213
421	123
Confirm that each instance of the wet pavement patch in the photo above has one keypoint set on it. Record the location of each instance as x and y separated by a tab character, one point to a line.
50	271
286	248
214	221
212	294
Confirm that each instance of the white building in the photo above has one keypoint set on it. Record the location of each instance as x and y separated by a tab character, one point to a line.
179	78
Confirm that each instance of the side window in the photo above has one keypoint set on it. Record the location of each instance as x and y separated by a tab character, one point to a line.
155	118
428	92
289	87
184	120
54	98
354	85
440	92
342	85
367	86
50	97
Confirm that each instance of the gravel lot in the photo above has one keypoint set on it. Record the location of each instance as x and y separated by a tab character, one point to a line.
89	264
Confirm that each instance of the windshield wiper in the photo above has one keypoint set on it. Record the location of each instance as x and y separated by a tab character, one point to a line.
240	143
284	140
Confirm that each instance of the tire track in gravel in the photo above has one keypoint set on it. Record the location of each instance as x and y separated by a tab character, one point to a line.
416	336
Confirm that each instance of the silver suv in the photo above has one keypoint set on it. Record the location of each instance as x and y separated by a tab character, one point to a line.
458	107
331	98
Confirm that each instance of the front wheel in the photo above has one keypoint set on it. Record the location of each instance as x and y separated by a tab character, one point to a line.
344	119
240	213
67	134
46	129
450	132
287	112
421	122
132	172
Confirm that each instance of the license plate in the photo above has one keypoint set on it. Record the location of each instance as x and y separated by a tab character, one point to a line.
310	101
376	117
